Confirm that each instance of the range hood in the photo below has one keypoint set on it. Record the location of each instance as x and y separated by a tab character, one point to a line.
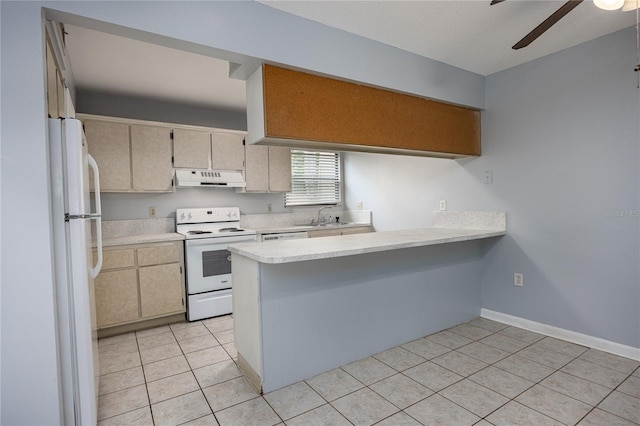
210	178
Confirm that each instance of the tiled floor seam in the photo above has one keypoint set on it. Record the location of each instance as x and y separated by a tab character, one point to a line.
397	371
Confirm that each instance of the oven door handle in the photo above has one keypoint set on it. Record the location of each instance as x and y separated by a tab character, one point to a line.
206	242
215	244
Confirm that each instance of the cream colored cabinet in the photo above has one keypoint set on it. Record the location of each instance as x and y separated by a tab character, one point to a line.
256	172
140	282
131	158
196	149
151	158
227	151
279	169
55	84
267	169
339	231
117	288
161	290
109	145
191	149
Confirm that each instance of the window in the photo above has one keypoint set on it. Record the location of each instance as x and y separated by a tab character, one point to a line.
315	178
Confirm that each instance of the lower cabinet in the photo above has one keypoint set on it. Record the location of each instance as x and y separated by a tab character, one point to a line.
339	231
140	282
161	290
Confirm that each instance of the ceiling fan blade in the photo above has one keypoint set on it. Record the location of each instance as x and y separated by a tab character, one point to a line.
495	2
546	24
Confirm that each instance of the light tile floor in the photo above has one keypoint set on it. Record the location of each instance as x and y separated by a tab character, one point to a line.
481	372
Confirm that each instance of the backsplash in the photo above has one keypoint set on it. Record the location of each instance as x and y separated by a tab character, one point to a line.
275	220
125	228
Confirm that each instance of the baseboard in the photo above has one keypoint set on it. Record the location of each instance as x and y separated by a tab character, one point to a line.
560	333
249	373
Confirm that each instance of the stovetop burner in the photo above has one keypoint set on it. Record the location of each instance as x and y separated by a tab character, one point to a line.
231	229
197	232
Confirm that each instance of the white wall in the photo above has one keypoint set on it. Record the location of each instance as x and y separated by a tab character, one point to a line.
561	136
237	31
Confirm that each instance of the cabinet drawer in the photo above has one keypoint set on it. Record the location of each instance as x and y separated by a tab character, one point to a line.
325	233
158	254
358	230
114	259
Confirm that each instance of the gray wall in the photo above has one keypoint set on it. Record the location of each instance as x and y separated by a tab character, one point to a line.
362	305
561	136
158	110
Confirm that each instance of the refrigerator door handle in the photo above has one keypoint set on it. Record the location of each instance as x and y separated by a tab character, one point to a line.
97	215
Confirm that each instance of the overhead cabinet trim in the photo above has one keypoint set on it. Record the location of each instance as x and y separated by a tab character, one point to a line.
286	107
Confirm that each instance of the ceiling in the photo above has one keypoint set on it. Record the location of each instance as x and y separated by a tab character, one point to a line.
471	35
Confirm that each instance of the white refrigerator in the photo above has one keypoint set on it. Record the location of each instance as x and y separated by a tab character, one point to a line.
71	217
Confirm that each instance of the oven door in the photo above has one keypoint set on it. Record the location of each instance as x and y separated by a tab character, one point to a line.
209	263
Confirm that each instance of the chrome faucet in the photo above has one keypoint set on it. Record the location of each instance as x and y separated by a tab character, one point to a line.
319	211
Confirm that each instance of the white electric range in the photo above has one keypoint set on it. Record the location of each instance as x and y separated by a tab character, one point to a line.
208	232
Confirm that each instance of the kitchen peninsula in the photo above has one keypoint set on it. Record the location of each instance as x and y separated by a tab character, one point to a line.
303	307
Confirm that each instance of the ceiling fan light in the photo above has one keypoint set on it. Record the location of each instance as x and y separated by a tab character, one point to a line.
609	4
630	5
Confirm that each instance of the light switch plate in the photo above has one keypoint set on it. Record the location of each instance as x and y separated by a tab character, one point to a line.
518	279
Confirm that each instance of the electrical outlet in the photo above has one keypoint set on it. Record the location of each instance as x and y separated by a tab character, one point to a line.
443	205
488	176
269	208
518	279
359	205
152	211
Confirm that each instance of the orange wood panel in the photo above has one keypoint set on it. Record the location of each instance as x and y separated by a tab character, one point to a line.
313	108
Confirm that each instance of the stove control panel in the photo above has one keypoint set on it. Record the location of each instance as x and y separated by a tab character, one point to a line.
208	215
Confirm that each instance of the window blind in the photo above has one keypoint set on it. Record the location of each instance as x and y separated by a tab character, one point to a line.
315	178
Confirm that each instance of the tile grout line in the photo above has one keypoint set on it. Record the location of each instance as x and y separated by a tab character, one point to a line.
401	372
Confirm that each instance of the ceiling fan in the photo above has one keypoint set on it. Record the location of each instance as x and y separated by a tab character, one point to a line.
564	10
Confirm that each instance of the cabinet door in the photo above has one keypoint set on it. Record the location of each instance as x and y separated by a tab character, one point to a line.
227	151
279	169
257	168
109	145
60	94
116	297
52	86
161	290
191	149
151	158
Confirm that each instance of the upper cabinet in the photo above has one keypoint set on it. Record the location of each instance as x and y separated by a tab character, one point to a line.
279	169
227	151
109	145
137	157
131	158
151	158
191	149
55	85
267	168
218	150
286	107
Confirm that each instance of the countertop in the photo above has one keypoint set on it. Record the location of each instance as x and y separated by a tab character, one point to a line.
286	251
141	239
